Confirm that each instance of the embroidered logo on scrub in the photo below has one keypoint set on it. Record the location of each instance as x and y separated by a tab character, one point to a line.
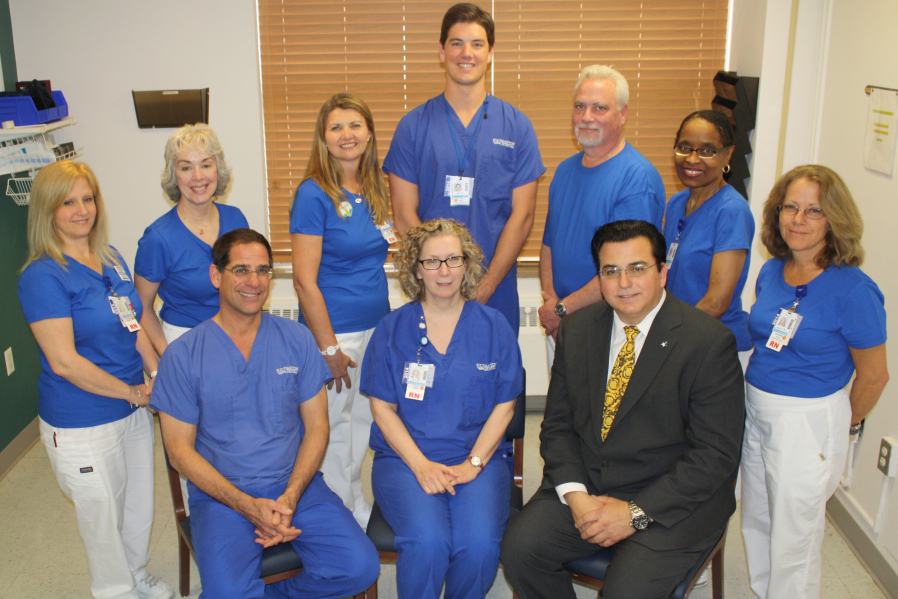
503	142
288	370
486	367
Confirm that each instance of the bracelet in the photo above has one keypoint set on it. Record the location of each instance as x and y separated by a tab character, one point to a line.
135	404
856	428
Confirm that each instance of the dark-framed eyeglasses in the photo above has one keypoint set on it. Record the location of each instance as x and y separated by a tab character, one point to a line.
242	272
704	153
813	213
436	263
634	270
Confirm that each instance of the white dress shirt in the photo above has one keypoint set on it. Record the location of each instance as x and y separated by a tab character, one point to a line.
618	338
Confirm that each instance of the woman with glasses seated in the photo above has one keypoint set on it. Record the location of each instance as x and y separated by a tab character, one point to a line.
708	226
175	252
340	235
442	373
818	320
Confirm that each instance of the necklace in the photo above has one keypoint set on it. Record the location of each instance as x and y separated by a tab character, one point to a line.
193	224
604	157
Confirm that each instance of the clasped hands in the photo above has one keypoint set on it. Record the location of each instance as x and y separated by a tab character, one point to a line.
437	478
273	519
601	520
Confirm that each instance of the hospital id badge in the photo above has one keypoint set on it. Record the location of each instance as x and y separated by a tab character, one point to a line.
121	306
415	391
388	232
122	273
459	190
784	328
671	253
421	374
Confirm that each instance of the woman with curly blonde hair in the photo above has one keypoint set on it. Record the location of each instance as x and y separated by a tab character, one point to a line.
817	321
442	373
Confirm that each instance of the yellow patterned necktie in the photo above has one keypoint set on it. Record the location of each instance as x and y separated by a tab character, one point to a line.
620	377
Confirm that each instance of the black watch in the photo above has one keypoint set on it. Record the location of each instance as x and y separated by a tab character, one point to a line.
638	518
560	309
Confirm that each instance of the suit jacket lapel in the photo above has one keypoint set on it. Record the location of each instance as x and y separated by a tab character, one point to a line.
658	345
598	344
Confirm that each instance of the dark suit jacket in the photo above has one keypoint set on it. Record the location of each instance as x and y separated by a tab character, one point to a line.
675	441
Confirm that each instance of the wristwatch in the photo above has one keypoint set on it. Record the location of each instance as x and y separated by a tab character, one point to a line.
476	461
331	350
560	309
638	518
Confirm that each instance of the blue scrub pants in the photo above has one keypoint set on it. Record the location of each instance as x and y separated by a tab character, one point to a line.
338	559
443	537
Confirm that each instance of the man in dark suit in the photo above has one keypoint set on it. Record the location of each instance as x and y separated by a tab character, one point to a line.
641	435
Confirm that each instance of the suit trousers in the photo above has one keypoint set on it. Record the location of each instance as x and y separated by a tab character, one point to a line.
793	456
542	538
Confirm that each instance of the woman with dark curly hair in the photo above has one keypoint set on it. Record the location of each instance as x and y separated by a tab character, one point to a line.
442	373
818	320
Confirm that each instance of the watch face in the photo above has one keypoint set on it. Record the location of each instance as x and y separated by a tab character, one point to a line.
476	461
560	309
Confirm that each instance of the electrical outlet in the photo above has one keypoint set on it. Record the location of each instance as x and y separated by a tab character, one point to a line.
10	365
888	462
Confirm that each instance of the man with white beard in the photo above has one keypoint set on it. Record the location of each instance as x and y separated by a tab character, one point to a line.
606	182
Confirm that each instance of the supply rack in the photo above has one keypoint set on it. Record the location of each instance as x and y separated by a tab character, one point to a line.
25	150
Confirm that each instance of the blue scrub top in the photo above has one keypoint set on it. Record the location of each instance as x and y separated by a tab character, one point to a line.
481	368
171	255
49	290
843	309
504	156
583	199
246	413
351	276
724	222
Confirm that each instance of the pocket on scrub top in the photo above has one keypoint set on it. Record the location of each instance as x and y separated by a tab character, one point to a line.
480	398
217	418
285	406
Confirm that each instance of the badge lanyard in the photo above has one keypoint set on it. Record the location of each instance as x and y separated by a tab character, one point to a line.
463	160
414	389
676	242
786	322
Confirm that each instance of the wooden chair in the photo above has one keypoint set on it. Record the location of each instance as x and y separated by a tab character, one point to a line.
278	563
384	538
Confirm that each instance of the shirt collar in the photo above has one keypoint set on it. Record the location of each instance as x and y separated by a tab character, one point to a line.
645	325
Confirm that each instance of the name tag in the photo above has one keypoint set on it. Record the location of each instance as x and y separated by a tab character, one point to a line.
415	391
122	273
121	307
459	190
418	373
388	232
784	329
671	252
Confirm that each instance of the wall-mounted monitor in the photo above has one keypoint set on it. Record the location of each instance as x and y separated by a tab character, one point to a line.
171	108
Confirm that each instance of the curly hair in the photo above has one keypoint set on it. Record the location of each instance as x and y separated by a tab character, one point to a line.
843	240
407	258
200	137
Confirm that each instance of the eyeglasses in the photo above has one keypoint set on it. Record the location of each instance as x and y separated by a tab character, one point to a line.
243	273
436	263
634	270
813	213
705	153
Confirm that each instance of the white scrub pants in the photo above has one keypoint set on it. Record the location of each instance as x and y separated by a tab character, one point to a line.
793	456
171	333
107	472
350	420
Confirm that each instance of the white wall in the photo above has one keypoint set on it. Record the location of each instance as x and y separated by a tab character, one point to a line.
97	52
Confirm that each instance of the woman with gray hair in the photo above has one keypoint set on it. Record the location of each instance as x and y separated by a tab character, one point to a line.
443	373
175	252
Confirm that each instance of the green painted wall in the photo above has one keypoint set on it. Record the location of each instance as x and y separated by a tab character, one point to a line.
18	393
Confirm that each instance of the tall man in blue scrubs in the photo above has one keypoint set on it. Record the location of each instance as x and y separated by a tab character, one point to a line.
471	157
606	182
244	418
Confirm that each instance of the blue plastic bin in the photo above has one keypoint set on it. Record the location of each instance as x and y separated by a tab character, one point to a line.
22	112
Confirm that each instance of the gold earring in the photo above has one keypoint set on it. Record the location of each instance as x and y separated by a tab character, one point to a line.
727	168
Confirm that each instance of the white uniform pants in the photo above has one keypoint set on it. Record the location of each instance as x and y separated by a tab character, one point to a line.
793	456
350	420
171	333
107	472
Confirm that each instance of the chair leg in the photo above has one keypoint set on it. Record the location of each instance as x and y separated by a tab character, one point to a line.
183	566
371	593
717	575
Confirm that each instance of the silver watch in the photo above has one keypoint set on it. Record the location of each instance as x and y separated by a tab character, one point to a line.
560	309
638	518
330	351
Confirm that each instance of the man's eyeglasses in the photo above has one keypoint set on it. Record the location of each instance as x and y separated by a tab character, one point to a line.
634	270
436	263
242	272
706	153
813	213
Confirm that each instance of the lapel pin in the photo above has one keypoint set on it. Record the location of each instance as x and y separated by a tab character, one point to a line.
664	344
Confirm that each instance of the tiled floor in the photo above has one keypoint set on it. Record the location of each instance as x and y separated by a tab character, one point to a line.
41	555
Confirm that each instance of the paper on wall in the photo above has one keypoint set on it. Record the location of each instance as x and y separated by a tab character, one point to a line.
882	131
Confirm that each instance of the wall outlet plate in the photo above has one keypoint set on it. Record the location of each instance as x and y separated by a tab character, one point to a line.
887	461
10	365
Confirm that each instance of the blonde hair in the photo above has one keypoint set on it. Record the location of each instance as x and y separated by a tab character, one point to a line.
327	173
51	186
843	240
200	137
407	258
